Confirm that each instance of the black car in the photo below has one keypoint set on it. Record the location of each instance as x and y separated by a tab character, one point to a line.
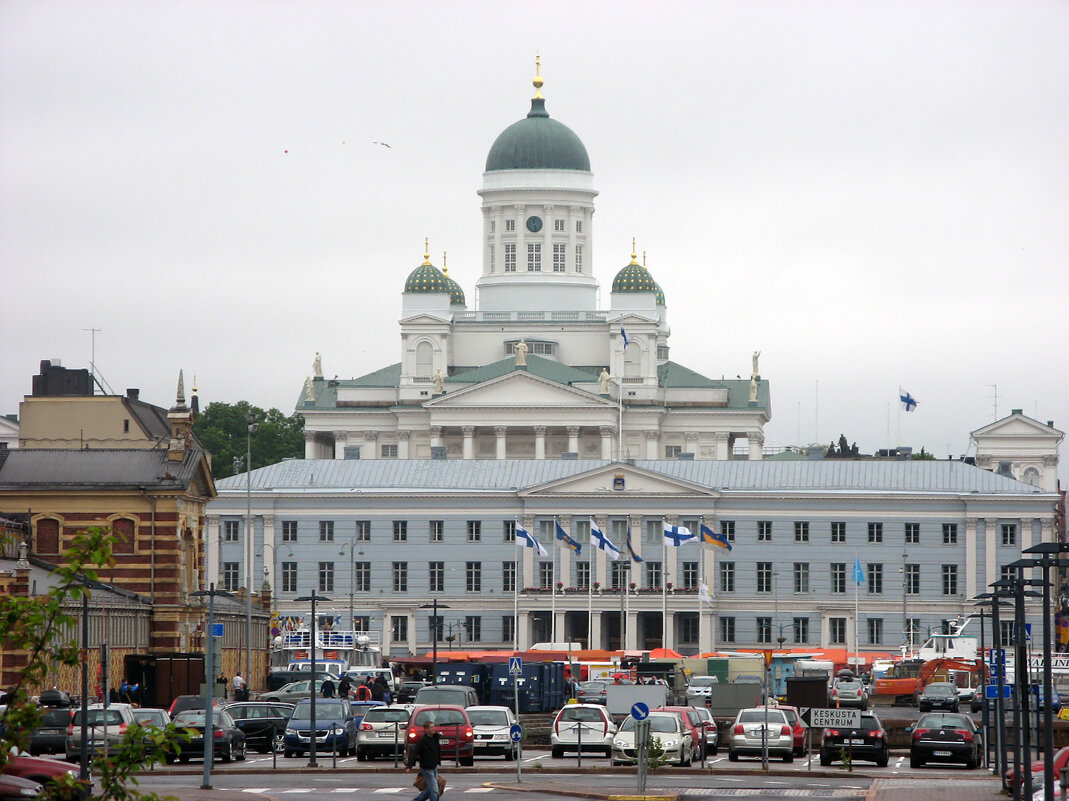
945	737
867	742
407	693
264	723
50	737
939	695
229	740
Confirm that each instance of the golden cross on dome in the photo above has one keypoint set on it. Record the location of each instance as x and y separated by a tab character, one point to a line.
538	76
426	251
634	255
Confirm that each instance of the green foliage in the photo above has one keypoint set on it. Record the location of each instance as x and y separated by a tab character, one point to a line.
923	456
221	428
655	757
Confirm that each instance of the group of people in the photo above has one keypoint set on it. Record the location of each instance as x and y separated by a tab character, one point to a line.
239	685
370	689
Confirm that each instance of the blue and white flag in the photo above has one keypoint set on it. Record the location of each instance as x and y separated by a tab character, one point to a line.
562	536
600	541
677	535
634	556
525	539
859	574
623	335
908	400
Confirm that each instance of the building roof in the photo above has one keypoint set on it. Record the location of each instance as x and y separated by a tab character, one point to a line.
489	475
635	278
48	468
538	143
536	365
427	278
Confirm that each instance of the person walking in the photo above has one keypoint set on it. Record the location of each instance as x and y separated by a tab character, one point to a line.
363	692
239	687
327	688
428	752
344	686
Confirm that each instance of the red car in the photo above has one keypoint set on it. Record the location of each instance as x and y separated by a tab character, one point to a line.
798	728
692	723
457	738
38	769
1061	758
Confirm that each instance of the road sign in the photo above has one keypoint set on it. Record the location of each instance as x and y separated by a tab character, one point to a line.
996	655
217	629
516	733
832	718
991	690
640	711
516	665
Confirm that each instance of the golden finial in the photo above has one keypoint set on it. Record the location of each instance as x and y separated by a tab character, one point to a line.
538	76
445	270
426	251
643	258
634	255
194	385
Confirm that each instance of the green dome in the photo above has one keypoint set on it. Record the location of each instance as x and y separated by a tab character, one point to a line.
538	143
659	294
635	278
428	278
456	294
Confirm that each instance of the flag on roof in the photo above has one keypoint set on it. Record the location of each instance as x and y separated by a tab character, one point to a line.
634	556
623	334
907	400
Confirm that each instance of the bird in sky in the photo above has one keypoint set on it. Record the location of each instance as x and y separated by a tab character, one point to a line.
381	143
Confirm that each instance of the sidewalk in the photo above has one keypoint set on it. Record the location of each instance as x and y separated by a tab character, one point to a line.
985	789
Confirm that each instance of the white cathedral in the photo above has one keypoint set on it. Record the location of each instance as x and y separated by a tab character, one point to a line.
535	370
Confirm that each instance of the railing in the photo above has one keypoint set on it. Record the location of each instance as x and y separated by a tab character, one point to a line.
530	316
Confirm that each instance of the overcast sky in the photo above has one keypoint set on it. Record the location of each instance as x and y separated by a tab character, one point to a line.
872	194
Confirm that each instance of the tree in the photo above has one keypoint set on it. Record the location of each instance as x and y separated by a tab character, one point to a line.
221	428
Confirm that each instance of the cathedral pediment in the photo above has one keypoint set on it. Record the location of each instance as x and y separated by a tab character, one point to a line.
520	388
620	480
1017	425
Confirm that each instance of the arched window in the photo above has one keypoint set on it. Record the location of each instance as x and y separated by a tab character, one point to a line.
125	531
1031	476
47	536
424	360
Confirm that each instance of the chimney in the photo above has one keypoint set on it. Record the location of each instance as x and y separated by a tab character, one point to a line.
132	393
1017	411
1004	470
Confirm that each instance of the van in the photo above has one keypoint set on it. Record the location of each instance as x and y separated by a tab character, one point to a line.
358	674
455	694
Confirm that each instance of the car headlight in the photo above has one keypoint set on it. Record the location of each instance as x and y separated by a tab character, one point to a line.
337	730
290	731
621	743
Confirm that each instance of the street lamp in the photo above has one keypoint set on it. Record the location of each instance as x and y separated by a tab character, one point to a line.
209	676
273	574
312	683
250	425
434	637
352	576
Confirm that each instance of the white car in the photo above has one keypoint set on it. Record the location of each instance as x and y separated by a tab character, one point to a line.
759	725
582	727
667	727
105	727
382	731
700	688
492	726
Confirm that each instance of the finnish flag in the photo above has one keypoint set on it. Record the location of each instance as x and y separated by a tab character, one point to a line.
677	535
525	539
597	536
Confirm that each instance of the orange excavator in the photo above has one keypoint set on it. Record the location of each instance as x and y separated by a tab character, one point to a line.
906	679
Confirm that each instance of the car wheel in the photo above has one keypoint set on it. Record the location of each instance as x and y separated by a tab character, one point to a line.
825	759
287	753
241	753
228	754
732	756
714	749
278	743
558	753
184	758
360	755
881	761
915	761
467	761
510	754
789	756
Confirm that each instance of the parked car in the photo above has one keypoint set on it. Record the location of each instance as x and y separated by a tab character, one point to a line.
692	723
798	728
848	691
492	726
228	741
12	788
582	726
712	731
297	691
360	708
383	731
457	740
277	679
939	695
335	727
184	702
263	722
667	727
700	688
945	737
1061	759
866	742
592	692
38	769
446	695
50	736
406	693
757	726
105	728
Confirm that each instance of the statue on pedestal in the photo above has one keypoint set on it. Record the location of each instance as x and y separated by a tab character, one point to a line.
604	381
756	356
309	394
520	349
317	366
439	383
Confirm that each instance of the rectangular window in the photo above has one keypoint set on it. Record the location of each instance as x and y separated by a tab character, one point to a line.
764	577
400	530
510	258
398	628
558	225
581	531
230	576
950	579
475	531
655	531
727	576
727	527
534	257
436	573
230	530
508	628
473	576
361	624
361	576
950	533
913	631
838	532
558	258
545	575
690	575
437	530
436	627
289	530
764	531
1006	633
1009	533
1007	573
618	574
875	631
508	577
837	630
800	626
400	576
473	625
801	576
688	629
510	225
653	575
493	226
913	533
838	577
727	629
579	226
875	577
764	629
579	258
326	577
363	531
801	531
913	579
389	451
875	532
582	575
289	577
326	531
509	529
672	451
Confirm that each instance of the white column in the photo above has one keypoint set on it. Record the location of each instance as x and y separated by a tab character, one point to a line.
691	440
1046	530
469	441
310	445
212	554
402	444
411	644
631	635
268	552
340	438
756	441
540	442
722	453
607	433
971	566
991	573
436	436
652	441
501	432
573	439
371	445
1026	533
523	633
595	630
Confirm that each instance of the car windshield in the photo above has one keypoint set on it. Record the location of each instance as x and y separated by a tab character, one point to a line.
660	723
758	716
583	714
440	717
488	717
442	695
847	684
56	717
940	721
384	714
703	681
99	717
325	707
940	689
195	717
791	714
152	717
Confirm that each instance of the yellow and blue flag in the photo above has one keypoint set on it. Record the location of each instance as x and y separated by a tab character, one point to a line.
562	536
710	537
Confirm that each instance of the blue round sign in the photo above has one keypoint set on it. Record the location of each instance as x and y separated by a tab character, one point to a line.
640	711
516	733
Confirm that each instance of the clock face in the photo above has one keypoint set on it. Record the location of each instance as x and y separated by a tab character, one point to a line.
534	224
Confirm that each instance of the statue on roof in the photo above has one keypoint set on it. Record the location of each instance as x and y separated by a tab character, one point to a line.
520	349
309	394
604	381
317	366
756	356
753	389
439	383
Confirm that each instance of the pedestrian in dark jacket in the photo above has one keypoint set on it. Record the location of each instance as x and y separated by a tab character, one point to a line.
428	753
343	688
327	688
377	693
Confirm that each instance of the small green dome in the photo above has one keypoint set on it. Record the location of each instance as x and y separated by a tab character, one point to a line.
634	278
538	143
659	293
456	294
427	278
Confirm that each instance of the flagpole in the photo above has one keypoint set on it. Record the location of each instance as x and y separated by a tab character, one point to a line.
624	576
857	584
664	587
553	590
701	577
591	560
516	597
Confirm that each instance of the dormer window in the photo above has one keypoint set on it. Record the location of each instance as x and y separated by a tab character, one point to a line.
538	347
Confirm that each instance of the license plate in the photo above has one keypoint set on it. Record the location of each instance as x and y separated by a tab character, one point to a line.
445	742
942	753
386	734
857	742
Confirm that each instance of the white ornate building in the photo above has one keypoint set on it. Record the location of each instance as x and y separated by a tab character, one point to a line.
1027	448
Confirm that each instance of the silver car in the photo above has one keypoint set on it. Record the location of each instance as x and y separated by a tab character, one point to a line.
700	688
296	691
104	727
382	731
755	727
666	727
588	727
492	726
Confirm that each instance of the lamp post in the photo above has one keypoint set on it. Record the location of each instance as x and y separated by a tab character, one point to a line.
209	676
351	545
312	683
435	606
274	570
250	425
